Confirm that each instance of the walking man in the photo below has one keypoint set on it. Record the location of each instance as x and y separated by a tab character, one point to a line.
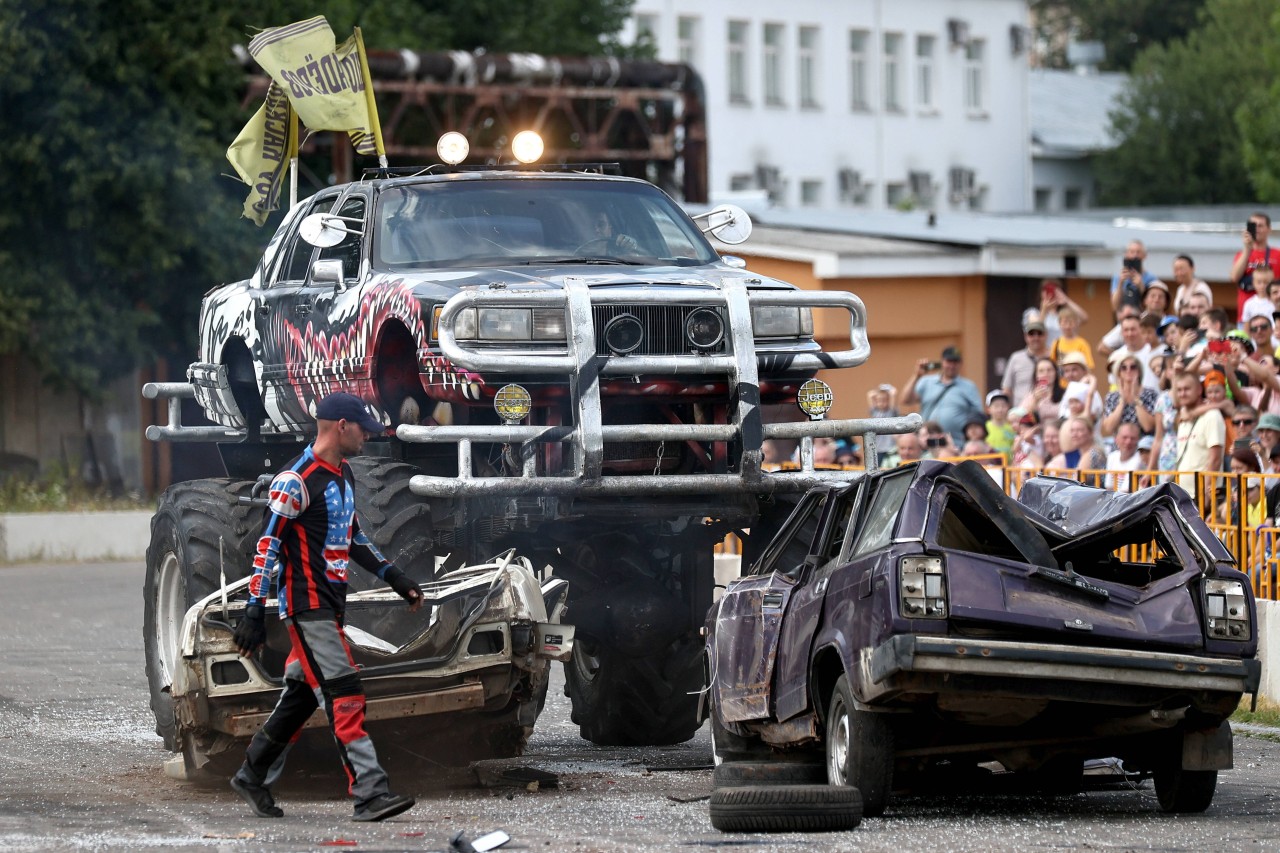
311	535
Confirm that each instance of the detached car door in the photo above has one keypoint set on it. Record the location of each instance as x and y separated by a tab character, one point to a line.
749	617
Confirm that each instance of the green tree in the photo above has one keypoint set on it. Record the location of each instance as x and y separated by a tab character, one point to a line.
1125	27
1179	141
1259	123
115	118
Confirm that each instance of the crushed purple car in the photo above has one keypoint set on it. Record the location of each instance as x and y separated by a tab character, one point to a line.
918	620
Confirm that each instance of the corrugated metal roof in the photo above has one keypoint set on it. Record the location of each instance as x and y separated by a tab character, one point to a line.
1069	111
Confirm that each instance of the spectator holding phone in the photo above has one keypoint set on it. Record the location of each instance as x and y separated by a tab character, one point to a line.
945	397
1255	253
1020	370
1045	397
1129	285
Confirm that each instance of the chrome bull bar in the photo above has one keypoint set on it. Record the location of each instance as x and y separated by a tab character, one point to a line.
740	366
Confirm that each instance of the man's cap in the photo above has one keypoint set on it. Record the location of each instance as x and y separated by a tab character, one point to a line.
347	407
1158	285
1033	326
1146	442
1241	337
1269	421
887	388
997	394
1074	358
951	354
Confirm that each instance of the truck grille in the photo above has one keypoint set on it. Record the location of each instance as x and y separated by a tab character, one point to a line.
663	328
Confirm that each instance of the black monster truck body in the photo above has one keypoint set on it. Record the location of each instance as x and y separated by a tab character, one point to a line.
632	442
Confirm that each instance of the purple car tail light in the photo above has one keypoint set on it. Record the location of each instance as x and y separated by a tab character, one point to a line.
1226	609
922	586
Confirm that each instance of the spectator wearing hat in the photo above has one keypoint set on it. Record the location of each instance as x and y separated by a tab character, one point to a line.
1267	434
1075	368
1045	397
1131	402
880	405
1124	458
945	397
1184	278
1145	444
1156	300
1201	437
999	432
1020	371
1168	331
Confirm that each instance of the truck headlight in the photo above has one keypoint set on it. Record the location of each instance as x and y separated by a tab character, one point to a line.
922	587
781	321
510	324
1226	610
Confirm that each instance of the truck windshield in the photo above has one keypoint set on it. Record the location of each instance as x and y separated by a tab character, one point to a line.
533	221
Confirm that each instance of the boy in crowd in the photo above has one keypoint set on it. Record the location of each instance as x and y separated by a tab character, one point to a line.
1000	433
1070	341
1260	304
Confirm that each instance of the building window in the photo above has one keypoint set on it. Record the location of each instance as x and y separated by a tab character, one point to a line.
893	72
647	30
738	91
810	193
687	32
974	77
741	182
808	67
896	195
772	60
859	76
978	200
1044	199
1072	198
925	73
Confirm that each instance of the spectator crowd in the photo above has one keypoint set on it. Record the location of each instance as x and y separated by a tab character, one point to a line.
1189	386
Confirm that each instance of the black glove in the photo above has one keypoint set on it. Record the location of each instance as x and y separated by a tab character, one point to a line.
252	631
404	586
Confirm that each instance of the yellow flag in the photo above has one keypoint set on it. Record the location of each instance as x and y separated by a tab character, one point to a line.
324	82
260	154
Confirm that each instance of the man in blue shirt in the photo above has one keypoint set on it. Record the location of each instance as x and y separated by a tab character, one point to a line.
945	397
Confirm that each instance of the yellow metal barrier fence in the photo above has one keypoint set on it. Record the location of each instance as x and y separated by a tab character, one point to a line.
1245	527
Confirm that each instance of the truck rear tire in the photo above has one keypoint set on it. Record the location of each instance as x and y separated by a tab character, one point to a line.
635	701
198	532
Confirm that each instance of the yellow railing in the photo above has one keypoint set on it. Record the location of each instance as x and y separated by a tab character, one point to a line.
1256	546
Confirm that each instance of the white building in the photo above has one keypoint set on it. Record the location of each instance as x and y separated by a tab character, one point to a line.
1070	126
861	104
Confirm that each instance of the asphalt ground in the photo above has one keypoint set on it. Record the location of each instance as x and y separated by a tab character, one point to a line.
80	769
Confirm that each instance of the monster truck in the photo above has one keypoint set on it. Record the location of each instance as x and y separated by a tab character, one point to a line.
566	367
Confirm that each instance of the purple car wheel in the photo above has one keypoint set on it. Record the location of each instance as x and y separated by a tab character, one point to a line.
859	747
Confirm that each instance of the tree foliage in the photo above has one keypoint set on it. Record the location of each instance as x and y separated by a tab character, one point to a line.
1179	124
115	118
1125	27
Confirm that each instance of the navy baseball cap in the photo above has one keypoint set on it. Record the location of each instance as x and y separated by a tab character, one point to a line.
342	406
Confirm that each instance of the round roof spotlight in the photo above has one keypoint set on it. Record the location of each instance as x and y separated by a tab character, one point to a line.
512	403
623	334
526	146
453	148
704	329
815	398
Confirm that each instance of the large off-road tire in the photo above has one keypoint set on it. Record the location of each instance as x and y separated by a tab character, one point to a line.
199	531
786	808
635	701
859	747
394	518
1185	791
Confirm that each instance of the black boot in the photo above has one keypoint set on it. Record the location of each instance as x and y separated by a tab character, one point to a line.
257	796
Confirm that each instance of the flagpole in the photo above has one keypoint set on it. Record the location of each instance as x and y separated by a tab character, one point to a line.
293	157
374	125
